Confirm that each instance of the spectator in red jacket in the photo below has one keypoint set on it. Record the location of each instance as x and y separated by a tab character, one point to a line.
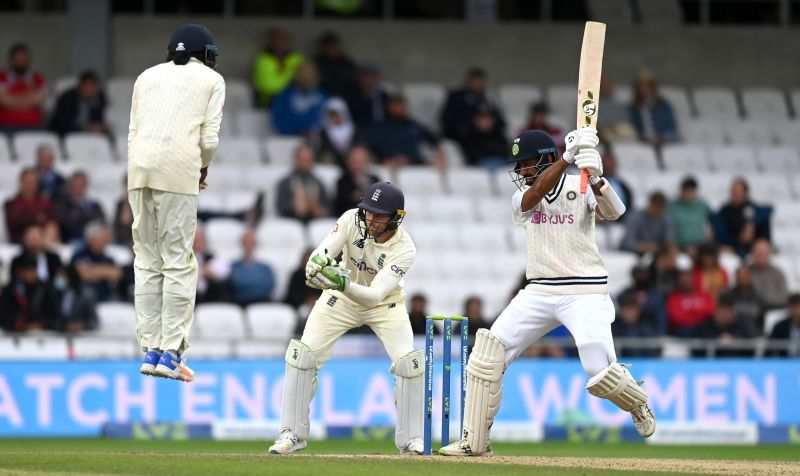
28	208
22	92
688	307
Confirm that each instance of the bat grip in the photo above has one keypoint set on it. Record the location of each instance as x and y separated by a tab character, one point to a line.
584	181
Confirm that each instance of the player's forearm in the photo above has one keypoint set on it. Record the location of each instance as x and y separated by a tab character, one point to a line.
608	202
209	133
543	184
371	296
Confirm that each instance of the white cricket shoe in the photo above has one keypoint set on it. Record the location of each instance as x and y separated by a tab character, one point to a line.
644	420
461	448
286	443
415	446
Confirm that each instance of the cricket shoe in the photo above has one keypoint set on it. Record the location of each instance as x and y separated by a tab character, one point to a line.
414	446
286	443
149	363
170	367
644	420
461	448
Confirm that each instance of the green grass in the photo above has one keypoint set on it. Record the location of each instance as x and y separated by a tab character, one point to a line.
99	456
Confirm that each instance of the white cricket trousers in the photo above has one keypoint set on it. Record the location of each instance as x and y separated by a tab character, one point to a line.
165	267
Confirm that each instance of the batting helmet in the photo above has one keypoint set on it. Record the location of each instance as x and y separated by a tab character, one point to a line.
382	198
194	40
531	145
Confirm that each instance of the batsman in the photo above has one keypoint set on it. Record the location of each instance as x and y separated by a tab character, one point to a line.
365	288
567	284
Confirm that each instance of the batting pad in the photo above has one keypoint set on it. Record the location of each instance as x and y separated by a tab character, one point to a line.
299	385
615	383
484	389
408	397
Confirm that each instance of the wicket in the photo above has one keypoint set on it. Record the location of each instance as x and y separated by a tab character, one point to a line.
429	363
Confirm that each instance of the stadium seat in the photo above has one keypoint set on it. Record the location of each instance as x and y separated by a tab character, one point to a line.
211	201
788	264
767	104
503	185
778	159
64	252
748	133
516	99
702	132
107	178
122	255
8	252
63	84
453	156
716	103
283	235
121	147
685	158
265	177
678	98
88	149
95	347
730	263
481	238
787	133
5	150
619	266
518	237
238	151
238	201
494	210
253	124
425	101
786	240
715	188
444	208
427	265
470	182
119	91
562	101
639	157
420	181
43	347
259	349
738	159
318	229
280	150
210	348
238	95
273	322
219	320
507	266
433	236
773	188
771	318
119	121
224	237
26	143
786	215
675	349
224	177
116	319
329	175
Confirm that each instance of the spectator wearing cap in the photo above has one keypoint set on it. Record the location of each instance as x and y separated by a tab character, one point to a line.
631	323
768	280
485	142
539	119
687	307
22	92
722	328
275	66
82	108
297	109
337	134
398	140
741	222
788	330
690	215
76	209
463	103
337	72
28	208
51	183
27	302
651	114
354	181
649	229
369	101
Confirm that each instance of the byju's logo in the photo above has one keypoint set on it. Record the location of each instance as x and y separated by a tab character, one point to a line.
541	218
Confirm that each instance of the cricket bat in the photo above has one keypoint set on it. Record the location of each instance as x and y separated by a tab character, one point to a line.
591	68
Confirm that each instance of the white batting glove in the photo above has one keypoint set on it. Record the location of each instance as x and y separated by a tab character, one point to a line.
583	138
589	159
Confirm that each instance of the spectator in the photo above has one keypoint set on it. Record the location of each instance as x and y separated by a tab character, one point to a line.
337	135
618	184
473	310
687	306
722	328
630	324
747	307
78	306
214	271
123	219
690	216
740	221
301	195
649	229
709	276
768	280
418	313
96	270
337	72
28	208
51	183
649	301
299	295
76	209
251	281
651	114
614	124
485	141
539	119
49	268
788	330
81	109
22	92
354	181
275	66
462	105
28	303
297	109
665	267
368	103
397	141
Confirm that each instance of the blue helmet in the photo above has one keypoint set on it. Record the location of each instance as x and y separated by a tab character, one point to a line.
195	40
531	145
382	198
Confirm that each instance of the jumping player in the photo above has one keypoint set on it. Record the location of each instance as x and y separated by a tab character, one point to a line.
567	284
365	288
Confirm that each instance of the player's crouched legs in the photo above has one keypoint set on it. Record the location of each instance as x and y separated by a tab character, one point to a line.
615	383
484	392
299	386
408	396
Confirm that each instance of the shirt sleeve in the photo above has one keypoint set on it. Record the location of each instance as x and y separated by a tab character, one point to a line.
384	283
591	199
132	123
209	132
517	215
336	239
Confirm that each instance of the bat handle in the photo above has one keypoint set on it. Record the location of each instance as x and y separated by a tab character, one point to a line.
584	180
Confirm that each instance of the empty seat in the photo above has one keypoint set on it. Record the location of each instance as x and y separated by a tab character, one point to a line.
119	91
685	158
272	322
482	238
433	236
733	159
639	157
26	144
122	255
224	236
765	104
702	132
471	182
748	133
238	95
494	210
786	240
265	177
786	215
516	99
619	267
211	201
5	150
420	181
219	320
678	98
786	133
449	209
715	187
453	156
318	229
563	100
425	101
238	201
716	103
95	347
253	123
63	84
503	184
211	348
32	347
88	148
107	178
329	175
238	151
116	319
281	149
282	234
769	187
259	349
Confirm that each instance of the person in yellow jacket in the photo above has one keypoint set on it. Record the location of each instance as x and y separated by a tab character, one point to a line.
275	66
176	111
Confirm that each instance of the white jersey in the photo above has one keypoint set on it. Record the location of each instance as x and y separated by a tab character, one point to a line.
562	255
366	259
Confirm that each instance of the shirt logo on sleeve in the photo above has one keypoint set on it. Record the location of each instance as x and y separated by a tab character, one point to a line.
381	260
396	270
